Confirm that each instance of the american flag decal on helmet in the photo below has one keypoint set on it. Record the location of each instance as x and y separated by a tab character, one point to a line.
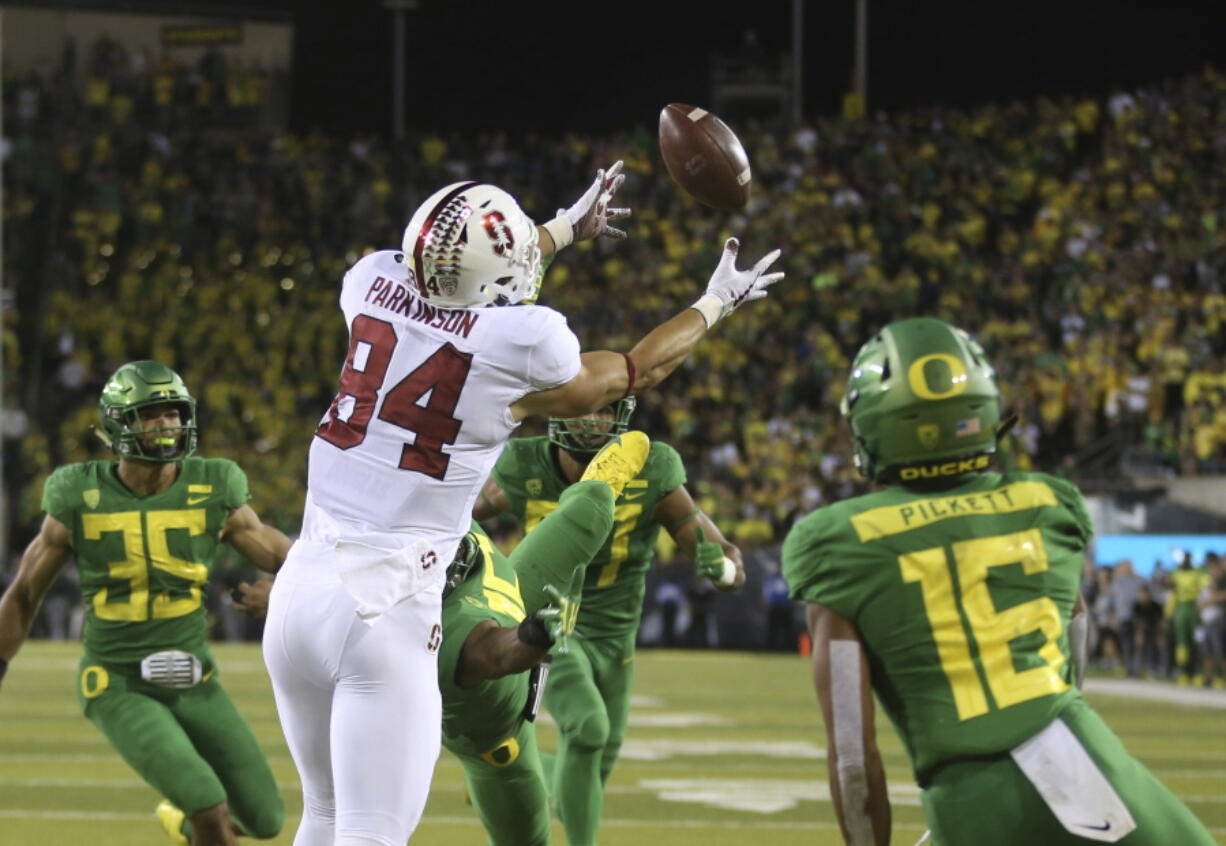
966	428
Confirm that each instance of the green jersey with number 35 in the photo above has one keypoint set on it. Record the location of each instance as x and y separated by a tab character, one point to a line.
613	590
144	561
961	598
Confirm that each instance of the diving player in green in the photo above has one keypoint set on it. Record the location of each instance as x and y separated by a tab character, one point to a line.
144	532
948	593
588	693
501	616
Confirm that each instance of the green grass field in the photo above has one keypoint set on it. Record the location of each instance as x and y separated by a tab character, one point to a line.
723	748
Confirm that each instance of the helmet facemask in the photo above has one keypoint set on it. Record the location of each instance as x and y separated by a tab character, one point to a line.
467	557
587	434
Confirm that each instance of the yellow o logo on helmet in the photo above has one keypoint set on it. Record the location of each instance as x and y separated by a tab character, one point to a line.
918	379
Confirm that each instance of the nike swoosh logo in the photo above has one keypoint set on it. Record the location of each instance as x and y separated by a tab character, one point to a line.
196	500
1104	827
634	496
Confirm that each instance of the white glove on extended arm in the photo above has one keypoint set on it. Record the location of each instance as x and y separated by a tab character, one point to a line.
589	217
730	288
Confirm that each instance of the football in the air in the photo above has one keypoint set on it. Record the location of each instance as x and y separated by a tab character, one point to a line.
704	156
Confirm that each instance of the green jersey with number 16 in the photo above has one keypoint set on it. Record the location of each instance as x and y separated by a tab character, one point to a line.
961	598
144	561
613	590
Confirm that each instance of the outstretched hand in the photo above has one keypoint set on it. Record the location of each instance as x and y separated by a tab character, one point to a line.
591	214
729	288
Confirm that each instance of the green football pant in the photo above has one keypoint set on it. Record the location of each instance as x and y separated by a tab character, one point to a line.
970	803
192	745
507	787
1183	627
589	697
569	537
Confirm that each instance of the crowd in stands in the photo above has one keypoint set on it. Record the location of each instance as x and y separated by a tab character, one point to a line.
116	87
1082	240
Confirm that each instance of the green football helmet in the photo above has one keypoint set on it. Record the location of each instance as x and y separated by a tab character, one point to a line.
467	559
137	385
922	402
588	434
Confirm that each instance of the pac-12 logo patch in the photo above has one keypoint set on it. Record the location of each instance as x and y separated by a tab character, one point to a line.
533	487
928	435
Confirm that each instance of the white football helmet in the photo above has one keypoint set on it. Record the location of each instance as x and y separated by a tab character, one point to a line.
469	245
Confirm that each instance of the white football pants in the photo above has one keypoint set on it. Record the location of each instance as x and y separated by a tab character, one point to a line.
359	704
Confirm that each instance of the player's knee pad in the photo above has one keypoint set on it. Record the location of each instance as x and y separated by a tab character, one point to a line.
590	732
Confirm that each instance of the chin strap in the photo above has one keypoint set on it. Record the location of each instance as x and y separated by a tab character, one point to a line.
1006	424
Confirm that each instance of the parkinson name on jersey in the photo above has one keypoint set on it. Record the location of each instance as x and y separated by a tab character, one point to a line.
394	297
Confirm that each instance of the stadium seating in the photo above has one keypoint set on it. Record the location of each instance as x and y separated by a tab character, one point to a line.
1081	239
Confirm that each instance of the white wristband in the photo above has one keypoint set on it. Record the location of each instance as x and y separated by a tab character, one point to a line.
710	307
728	577
561	231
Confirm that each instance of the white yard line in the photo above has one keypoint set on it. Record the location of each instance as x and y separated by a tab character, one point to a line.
1157	692
23	814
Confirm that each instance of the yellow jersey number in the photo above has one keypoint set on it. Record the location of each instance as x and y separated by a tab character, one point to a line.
136	527
991	630
625	519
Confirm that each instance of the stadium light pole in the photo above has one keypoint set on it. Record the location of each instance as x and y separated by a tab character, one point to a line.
398	8
860	71
798	60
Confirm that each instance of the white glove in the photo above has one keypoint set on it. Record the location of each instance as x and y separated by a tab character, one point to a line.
589	217
730	288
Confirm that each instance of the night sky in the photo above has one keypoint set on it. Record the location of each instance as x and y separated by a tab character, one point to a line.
549	66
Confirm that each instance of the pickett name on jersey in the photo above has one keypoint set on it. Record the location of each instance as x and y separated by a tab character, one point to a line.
393	296
892	519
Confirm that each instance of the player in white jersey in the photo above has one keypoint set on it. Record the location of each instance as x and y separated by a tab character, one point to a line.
434	383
